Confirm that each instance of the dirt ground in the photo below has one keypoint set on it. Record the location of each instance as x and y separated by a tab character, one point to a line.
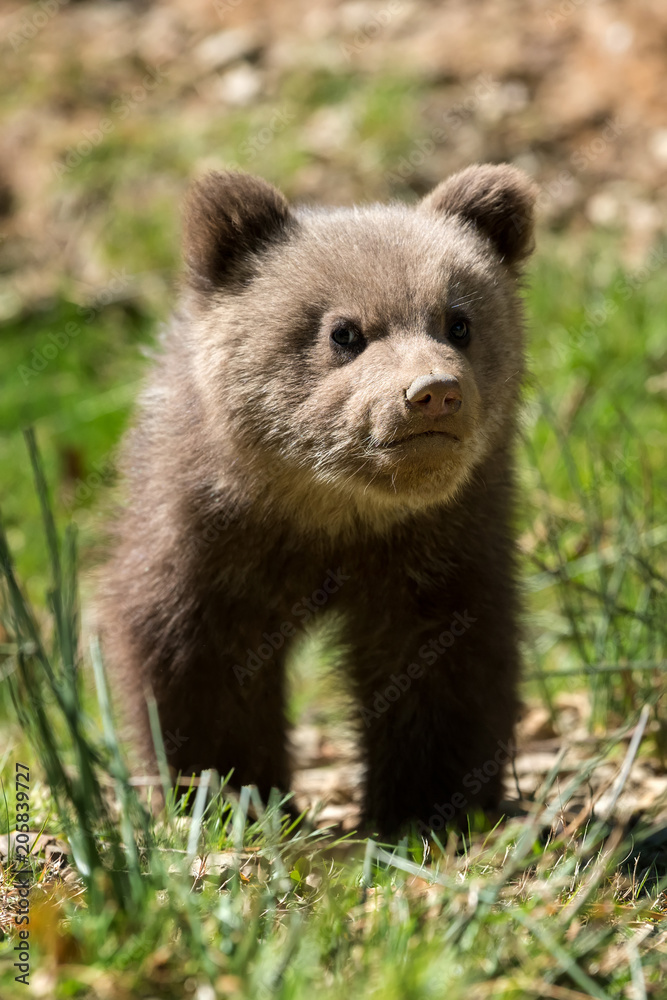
572	90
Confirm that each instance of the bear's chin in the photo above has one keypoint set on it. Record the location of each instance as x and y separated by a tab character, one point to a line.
414	483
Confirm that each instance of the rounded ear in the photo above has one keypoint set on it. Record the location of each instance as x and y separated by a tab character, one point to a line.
229	218
498	199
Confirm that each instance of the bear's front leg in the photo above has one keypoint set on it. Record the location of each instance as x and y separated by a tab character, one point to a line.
437	717
219	685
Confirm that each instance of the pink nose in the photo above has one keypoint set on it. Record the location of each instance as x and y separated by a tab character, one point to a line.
435	395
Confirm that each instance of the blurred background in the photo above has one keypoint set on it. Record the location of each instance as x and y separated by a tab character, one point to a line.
109	108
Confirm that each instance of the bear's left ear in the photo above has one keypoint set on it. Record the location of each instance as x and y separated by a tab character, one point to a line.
498	199
230	218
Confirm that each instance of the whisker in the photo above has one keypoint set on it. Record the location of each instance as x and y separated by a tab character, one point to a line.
371	480
466	300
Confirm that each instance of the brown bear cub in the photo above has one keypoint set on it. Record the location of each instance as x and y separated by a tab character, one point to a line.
331	423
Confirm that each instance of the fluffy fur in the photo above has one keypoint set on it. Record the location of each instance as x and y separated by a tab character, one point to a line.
266	456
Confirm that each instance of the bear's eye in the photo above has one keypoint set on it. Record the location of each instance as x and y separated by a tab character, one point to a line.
459	332
346	335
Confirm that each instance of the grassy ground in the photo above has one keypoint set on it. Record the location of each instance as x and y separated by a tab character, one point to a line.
563	903
233	902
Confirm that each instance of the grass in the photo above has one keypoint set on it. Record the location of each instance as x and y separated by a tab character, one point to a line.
236	901
232	900
593	476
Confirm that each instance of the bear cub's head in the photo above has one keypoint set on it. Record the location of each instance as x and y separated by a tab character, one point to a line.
370	355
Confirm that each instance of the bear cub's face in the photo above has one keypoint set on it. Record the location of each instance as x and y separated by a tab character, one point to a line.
374	352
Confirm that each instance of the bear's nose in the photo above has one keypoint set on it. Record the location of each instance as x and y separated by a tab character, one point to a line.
435	395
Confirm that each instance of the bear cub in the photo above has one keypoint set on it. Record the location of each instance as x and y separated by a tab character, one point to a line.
330	423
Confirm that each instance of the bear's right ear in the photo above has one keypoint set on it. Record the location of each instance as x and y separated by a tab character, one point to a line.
229	217
498	200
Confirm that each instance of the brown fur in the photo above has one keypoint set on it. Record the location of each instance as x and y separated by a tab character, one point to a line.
261	462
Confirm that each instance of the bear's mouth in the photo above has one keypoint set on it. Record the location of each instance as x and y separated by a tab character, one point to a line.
417	436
